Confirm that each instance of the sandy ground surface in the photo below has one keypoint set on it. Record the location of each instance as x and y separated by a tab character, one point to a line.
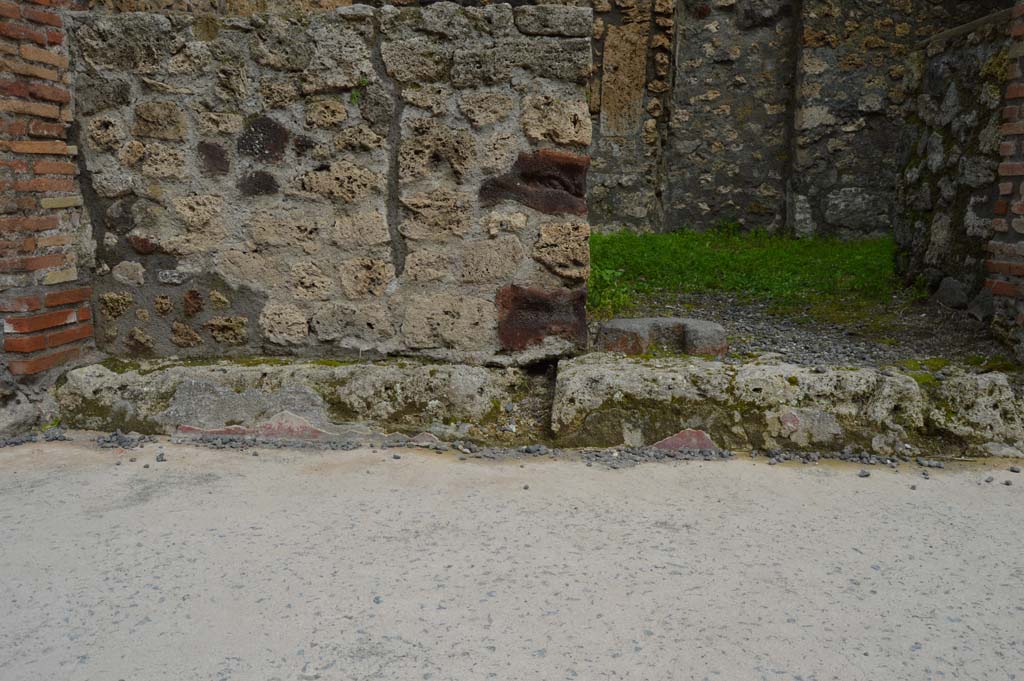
356	565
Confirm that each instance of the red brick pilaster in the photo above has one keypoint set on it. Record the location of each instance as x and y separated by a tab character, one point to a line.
45	314
1004	267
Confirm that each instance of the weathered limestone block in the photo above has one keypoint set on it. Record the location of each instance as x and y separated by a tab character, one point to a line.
326	113
486	107
354	325
283	45
437	214
622	88
428	265
484	64
240	398
284	324
162	161
605	398
341	59
564	248
491	260
302	226
107	133
365	277
449	321
97	92
416	60
566	59
134	43
554	119
360	229
429	143
160	119
229	330
343	181
129	273
573	22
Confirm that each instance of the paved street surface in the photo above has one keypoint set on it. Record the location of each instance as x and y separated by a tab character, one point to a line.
356	565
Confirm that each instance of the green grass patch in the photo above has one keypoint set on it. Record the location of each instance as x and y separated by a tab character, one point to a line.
843	278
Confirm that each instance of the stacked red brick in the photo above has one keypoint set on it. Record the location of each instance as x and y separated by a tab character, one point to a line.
1005	266
44	309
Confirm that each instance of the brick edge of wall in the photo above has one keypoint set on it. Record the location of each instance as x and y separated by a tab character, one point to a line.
45	309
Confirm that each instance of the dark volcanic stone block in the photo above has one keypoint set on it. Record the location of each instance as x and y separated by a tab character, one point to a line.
264	139
552	182
258	183
214	157
526	316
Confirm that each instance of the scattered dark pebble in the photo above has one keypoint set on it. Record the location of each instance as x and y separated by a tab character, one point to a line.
863	474
55	435
396	456
161	458
145	465
1008	483
913	487
378	600
119	440
526	487
18	440
1015	469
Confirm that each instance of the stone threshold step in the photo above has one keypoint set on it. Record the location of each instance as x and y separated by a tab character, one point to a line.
596	400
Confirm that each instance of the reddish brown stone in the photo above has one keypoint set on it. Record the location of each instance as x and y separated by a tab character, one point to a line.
552	182
687	439
526	316
193	303
141	244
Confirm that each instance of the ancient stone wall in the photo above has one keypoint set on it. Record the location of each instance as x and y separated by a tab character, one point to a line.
354	182
727	156
949	153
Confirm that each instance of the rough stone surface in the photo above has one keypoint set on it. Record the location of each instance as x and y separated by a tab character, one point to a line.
449	400
644	335
324	170
17	413
947	193
952	294
603	399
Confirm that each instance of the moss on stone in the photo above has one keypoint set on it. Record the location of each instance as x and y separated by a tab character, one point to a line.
92	414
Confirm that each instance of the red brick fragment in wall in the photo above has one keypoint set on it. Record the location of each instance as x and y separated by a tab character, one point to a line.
526	316
549	181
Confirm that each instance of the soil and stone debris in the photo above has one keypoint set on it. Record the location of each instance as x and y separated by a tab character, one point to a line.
905	332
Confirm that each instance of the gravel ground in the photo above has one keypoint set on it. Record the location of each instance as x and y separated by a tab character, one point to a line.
397	564
918	331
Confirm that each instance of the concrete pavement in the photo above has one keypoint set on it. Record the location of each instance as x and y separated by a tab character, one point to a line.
298	565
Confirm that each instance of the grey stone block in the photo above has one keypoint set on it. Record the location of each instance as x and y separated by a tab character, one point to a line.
952	294
639	336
